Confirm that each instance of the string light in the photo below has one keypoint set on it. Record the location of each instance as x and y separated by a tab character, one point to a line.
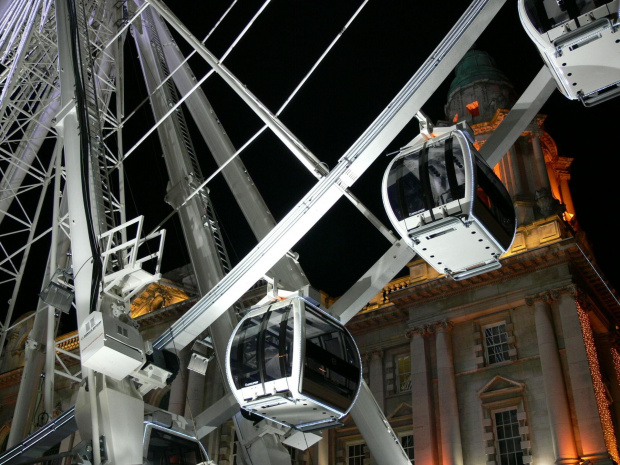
616	358
597	381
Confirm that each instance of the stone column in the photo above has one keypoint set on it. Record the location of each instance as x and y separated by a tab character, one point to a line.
322	449
540	170
451	448
564	448
421	405
515	186
593	445
376	378
567	198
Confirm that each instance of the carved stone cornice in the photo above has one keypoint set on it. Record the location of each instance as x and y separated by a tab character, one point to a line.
572	290
544	296
444	325
571	252
11	378
551	295
424	330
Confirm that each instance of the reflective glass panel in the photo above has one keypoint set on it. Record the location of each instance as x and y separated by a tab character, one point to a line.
167	448
426	178
331	359
278	344
356	454
508	438
547	14
492	195
244	365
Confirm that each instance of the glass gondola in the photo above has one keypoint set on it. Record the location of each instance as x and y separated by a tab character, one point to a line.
294	364
163	445
448	204
578	40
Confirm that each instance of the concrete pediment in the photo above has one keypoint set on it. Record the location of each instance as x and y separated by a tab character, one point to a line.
500	386
402	410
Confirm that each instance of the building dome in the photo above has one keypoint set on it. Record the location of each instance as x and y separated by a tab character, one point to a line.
478	89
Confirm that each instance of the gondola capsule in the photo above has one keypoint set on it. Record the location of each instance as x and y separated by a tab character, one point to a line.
294	364
448	204
578	40
163	445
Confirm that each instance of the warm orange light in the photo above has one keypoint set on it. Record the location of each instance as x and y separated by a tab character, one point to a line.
616	358
456	118
156	296
473	108
599	388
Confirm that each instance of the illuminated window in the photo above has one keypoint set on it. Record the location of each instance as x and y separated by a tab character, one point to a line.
406	441
504	421
508	438
496	344
403	373
356	453
473	108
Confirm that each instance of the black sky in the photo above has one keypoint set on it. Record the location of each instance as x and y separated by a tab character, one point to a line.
375	57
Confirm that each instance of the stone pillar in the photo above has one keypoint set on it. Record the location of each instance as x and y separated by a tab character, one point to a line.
540	166
323	449
560	423
421	405
515	186
376	377
451	448
567	198
593	447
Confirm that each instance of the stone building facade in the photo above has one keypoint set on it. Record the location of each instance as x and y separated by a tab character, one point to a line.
515	366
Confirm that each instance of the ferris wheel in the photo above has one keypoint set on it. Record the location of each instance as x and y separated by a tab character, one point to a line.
67	135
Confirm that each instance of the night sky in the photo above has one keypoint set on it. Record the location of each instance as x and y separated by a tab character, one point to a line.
372	61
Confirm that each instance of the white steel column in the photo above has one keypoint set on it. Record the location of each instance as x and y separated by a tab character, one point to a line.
423	425
178	388
195	394
564	448
261	221
451	446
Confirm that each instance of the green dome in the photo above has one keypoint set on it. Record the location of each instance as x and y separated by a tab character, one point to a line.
476	65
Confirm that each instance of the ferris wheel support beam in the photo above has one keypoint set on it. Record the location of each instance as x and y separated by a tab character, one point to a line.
373	281
261	221
34	359
520	116
199	236
279	129
26	153
330	187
